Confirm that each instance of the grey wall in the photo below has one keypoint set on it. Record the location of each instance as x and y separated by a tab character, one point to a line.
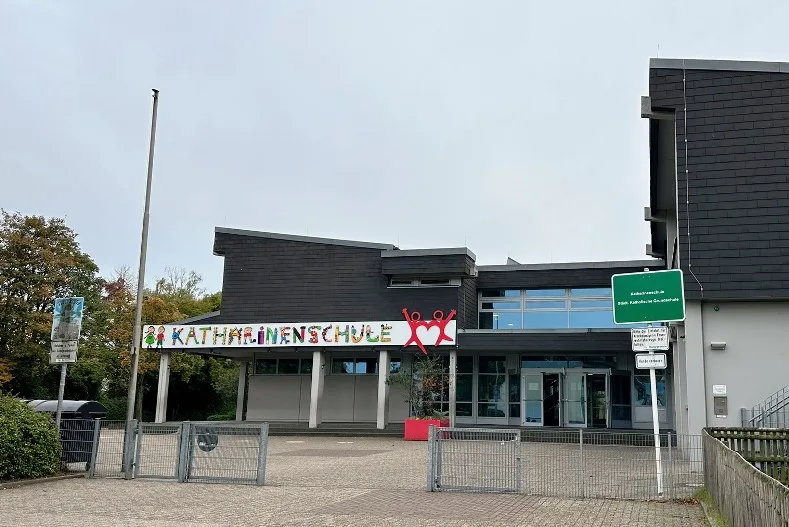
755	363
449	265
278	398
346	398
268	280
525	278
738	161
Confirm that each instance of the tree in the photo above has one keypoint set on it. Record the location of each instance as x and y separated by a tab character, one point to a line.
40	260
425	385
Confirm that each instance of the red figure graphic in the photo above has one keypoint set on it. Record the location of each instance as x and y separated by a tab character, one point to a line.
415	322
442	323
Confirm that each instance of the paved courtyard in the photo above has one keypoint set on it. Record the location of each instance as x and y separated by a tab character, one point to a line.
341	481
115	502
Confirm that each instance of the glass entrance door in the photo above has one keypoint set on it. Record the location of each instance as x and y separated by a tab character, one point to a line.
575	400
531	406
597	400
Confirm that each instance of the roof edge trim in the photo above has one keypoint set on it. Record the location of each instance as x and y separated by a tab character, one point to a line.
447	251
719	65
656	263
197	318
304	239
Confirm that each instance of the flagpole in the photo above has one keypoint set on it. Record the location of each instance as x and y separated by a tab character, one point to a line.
135	358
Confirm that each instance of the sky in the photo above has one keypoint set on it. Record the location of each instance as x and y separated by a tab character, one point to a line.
510	127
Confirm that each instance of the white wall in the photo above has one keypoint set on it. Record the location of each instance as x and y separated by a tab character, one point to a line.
755	363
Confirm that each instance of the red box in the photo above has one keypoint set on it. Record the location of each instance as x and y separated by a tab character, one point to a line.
419	429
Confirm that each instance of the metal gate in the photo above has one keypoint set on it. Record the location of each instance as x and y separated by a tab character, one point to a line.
207	452
474	459
157	450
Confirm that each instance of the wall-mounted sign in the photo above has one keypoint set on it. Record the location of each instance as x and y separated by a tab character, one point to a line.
649	361
649	339
718	389
413	331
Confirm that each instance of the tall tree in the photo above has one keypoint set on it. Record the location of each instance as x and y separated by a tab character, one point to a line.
40	260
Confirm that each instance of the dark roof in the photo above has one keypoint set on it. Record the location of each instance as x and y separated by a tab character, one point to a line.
654	263
305	239
450	251
720	65
198	318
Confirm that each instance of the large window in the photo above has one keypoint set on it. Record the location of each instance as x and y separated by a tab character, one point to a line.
644	391
492	381
464	382
361	366
283	366
581	308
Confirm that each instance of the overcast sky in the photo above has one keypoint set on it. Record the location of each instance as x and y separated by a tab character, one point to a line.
512	127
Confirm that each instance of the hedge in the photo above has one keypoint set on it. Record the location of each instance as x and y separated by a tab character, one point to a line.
29	443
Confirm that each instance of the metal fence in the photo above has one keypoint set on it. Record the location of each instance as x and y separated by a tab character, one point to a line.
230	453
206	452
744	495
475	459
564	463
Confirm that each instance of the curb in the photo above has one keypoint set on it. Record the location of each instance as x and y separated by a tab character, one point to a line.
710	520
26	482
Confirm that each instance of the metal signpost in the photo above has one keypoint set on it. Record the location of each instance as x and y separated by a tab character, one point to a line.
650	297
66	327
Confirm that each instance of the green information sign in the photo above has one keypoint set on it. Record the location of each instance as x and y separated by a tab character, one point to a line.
651	296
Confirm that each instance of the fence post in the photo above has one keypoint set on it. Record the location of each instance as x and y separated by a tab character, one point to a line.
262	454
431	462
183	451
94	450
670	467
138	449
518	468
581	468
129	449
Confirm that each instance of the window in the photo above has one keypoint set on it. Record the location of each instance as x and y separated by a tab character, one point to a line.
491	387
283	366
571	361
643	390
581	308
424	282
356	366
266	367
438	400
464	381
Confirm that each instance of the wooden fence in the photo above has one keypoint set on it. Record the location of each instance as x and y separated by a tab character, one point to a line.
767	450
745	496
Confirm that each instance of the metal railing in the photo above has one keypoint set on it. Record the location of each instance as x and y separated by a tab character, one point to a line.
778	417
773	412
744	495
565	463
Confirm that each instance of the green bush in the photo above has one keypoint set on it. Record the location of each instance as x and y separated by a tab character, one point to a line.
222	417
29	443
116	408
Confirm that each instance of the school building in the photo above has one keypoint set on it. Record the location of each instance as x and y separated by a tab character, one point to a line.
318	324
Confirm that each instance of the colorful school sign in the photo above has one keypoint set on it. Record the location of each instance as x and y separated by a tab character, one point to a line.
413	331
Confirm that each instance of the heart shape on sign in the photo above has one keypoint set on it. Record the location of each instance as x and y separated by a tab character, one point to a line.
428	333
